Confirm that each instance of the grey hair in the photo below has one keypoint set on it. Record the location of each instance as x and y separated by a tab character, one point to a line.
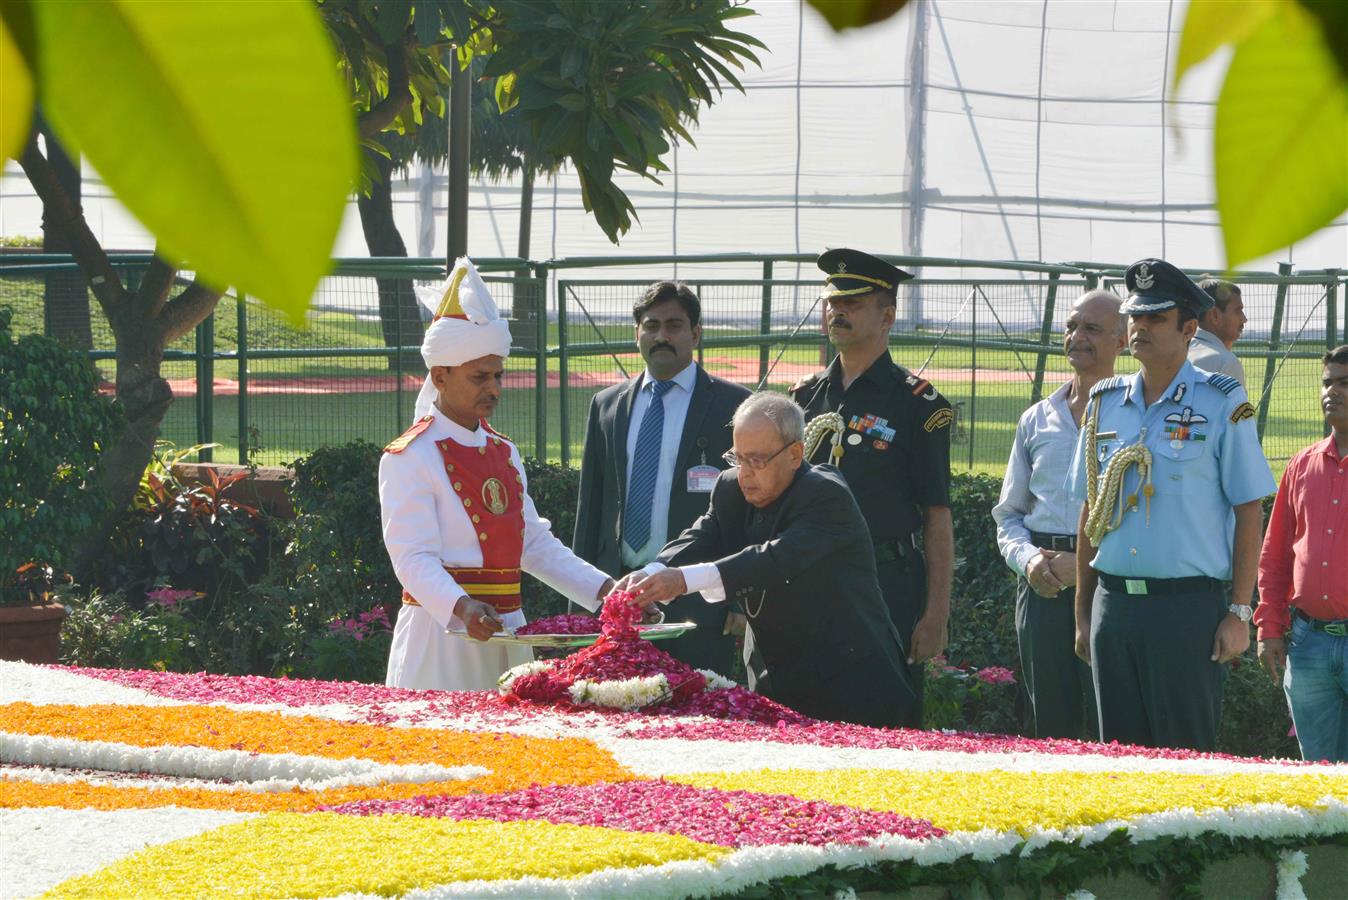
778	409
1102	294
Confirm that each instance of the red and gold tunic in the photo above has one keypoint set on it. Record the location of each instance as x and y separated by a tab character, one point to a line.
457	521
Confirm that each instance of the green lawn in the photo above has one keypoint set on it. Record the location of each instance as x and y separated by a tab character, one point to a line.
287	426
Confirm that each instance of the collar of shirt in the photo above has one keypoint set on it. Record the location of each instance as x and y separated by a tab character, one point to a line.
686	379
1057	401
883	372
1208	339
1329	448
445	427
1180	387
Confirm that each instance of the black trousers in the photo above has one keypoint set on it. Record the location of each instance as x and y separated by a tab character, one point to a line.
903	582
1155	683
1062	695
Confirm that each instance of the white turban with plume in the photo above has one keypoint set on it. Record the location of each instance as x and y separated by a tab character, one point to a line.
467	325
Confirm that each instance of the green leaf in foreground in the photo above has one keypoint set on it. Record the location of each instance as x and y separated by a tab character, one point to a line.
223	127
16	96
1281	140
842	14
1208	24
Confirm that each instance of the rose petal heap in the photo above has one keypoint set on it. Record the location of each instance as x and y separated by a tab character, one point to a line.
619	670
564	624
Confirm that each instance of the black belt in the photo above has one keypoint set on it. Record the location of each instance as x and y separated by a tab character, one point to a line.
1336	627
895	549
1146	586
1065	542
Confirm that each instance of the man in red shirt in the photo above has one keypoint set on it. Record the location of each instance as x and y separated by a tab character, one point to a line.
1303	580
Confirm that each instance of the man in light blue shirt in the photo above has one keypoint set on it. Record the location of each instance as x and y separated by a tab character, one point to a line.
1170	470
1037	524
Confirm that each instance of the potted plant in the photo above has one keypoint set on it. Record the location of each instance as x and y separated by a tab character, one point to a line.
54	424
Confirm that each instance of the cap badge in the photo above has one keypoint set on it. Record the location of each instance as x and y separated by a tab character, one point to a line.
842	267
1144	279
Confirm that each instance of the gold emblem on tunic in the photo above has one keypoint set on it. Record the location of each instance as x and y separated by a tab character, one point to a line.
494	495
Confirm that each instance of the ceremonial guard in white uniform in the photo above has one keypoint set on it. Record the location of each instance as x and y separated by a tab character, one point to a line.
458	521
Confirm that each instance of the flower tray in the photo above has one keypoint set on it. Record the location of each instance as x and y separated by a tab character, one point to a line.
646	632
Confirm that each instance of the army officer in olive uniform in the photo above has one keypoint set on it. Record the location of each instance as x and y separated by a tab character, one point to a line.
895	449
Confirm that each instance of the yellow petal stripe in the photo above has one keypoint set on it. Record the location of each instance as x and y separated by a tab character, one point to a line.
1023	801
326	854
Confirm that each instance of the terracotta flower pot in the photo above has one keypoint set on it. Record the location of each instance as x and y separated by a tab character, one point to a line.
31	633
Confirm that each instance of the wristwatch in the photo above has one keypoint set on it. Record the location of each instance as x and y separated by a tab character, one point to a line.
1242	611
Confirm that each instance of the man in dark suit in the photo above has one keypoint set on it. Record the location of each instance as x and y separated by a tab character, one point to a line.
788	540
653	447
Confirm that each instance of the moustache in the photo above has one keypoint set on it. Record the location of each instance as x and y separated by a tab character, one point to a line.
839	323
669	347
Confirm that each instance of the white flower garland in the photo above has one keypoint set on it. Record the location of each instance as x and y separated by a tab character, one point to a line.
509	676
266	772
716	681
626	694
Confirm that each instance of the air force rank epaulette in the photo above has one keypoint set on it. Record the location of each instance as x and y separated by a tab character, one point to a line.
805	382
1224	383
404	440
1108	384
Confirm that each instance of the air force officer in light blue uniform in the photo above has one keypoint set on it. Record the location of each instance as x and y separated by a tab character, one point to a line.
1169	467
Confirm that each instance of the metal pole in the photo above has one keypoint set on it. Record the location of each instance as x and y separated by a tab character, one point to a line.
206	385
1045	330
397	356
460	133
241	328
973	380
1274	337
563	376
765	321
541	386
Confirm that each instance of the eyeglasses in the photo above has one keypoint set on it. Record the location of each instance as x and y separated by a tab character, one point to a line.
752	463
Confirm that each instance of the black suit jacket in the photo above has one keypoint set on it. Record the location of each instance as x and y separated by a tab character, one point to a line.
603	490
804	569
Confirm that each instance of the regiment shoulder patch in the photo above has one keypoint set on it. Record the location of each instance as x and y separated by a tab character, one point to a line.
404	440
1242	412
1108	384
939	419
1224	383
804	382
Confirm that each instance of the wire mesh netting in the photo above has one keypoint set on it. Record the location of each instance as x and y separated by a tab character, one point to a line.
269	392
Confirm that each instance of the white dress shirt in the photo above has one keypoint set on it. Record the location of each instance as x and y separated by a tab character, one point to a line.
1206	351
425	529
1035	493
676	402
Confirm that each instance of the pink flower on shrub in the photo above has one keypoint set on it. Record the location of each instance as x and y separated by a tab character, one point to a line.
996	675
168	597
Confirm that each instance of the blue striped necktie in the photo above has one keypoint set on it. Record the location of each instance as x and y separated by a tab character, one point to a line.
645	468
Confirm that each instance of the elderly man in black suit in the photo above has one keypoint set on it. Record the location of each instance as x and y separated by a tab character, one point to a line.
653	448
788	540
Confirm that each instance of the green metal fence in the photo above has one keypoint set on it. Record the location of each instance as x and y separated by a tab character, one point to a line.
988	334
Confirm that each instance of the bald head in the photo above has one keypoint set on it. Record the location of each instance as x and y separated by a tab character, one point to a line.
1096	333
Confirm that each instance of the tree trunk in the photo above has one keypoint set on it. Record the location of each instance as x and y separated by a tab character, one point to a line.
399	314
65	297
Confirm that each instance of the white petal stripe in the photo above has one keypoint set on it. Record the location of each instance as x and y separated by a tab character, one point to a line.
254	771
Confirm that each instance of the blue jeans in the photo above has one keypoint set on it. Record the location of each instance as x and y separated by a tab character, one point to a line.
1316	683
